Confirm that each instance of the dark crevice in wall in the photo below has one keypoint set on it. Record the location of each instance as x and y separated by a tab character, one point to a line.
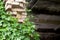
45	11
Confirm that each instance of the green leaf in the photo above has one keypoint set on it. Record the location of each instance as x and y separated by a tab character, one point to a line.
2	30
3	16
27	38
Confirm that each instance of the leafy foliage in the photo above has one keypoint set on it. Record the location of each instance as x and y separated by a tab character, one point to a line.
10	29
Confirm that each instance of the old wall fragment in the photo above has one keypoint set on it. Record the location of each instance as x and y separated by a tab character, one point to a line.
16	8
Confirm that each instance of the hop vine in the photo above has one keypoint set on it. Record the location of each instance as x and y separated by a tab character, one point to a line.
10	29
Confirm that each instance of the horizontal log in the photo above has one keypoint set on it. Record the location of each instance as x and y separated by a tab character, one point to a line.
44	21
51	5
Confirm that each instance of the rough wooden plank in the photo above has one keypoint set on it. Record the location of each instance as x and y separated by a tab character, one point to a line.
51	5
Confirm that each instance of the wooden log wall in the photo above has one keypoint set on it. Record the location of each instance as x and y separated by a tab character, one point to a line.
47	25
46	18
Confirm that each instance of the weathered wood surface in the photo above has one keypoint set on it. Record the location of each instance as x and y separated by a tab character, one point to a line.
49	36
46	18
52	5
44	21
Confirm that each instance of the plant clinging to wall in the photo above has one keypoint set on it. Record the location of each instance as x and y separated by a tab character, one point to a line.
10	29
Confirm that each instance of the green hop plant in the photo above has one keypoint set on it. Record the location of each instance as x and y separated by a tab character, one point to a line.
10	29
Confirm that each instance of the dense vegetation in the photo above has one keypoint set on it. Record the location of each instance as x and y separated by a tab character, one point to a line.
10	29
